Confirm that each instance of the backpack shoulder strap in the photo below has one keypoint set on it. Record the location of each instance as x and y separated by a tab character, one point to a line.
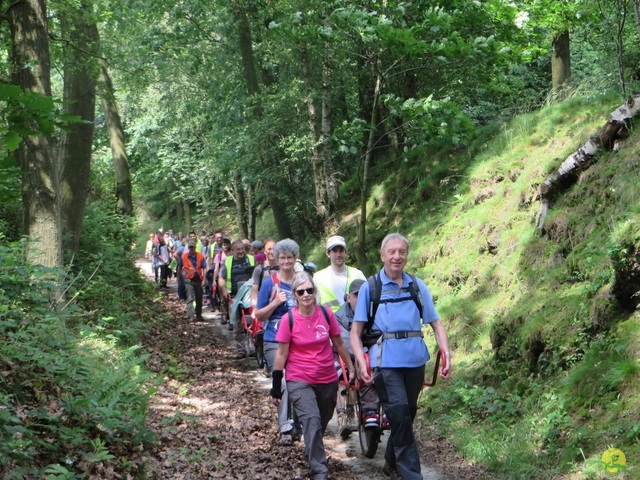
415	293
276	284
375	291
326	314
290	317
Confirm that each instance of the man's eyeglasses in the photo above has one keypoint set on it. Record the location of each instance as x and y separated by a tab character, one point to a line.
301	291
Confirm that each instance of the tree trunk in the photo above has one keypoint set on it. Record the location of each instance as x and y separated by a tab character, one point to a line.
186	209
280	216
316	160
40	182
278	208
124	196
361	249
560	63
241	206
616	128
636	11
251	213
80	47
327	156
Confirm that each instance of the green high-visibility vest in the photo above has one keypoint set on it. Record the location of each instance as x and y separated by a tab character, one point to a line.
228	262
327	296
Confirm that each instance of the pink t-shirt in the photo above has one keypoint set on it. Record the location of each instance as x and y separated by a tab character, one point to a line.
310	357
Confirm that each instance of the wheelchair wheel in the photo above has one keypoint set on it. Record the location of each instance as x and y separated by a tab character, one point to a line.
369	439
259	346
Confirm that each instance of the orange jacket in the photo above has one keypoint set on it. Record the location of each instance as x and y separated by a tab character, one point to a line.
189	269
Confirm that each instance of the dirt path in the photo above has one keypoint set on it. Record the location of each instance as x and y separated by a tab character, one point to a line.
216	420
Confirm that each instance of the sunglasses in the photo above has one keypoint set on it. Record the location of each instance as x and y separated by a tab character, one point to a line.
301	291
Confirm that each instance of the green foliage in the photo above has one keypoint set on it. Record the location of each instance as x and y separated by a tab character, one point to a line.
545	351
26	113
73	389
21	114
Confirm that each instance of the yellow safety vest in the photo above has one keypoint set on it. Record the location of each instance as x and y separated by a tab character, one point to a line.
327	296
228	262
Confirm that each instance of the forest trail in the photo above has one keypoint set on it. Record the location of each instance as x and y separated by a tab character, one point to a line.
216	420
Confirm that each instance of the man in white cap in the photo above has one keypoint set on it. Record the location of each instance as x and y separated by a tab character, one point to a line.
333	282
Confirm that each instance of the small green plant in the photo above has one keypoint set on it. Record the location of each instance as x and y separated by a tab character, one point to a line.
58	472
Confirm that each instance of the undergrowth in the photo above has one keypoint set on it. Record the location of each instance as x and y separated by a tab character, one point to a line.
73	386
544	327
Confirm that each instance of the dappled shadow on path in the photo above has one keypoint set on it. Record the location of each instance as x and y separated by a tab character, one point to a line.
213	417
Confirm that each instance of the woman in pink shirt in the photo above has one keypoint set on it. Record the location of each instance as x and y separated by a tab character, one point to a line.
304	338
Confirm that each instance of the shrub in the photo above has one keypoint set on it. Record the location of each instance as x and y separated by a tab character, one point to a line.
73	387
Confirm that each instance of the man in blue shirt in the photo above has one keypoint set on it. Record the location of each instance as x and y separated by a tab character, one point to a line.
399	355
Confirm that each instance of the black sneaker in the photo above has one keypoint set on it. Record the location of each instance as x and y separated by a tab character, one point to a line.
241	355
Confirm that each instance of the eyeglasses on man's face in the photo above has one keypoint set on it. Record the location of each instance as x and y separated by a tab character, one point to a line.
301	291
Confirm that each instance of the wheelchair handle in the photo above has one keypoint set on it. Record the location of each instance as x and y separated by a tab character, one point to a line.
439	357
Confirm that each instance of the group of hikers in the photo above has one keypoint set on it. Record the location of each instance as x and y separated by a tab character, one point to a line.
309	318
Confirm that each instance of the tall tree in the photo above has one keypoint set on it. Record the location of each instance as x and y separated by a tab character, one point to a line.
80	45
40	186
614	14
560	61
361	250
316	159
124	196
253	87
326	125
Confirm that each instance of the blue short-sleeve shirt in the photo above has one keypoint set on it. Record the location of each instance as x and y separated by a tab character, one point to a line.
264	297
400	316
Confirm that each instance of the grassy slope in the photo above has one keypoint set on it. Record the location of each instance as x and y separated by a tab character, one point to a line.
563	385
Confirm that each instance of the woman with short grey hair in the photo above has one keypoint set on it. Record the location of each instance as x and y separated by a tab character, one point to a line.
305	339
275	300
286	246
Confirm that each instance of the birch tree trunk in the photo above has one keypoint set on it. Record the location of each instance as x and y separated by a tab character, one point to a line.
124	196
80	72
616	128
40	182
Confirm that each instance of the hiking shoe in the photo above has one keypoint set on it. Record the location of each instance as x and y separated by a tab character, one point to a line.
344	429
253	354
286	439
199	319
241	355
224	321
371	419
